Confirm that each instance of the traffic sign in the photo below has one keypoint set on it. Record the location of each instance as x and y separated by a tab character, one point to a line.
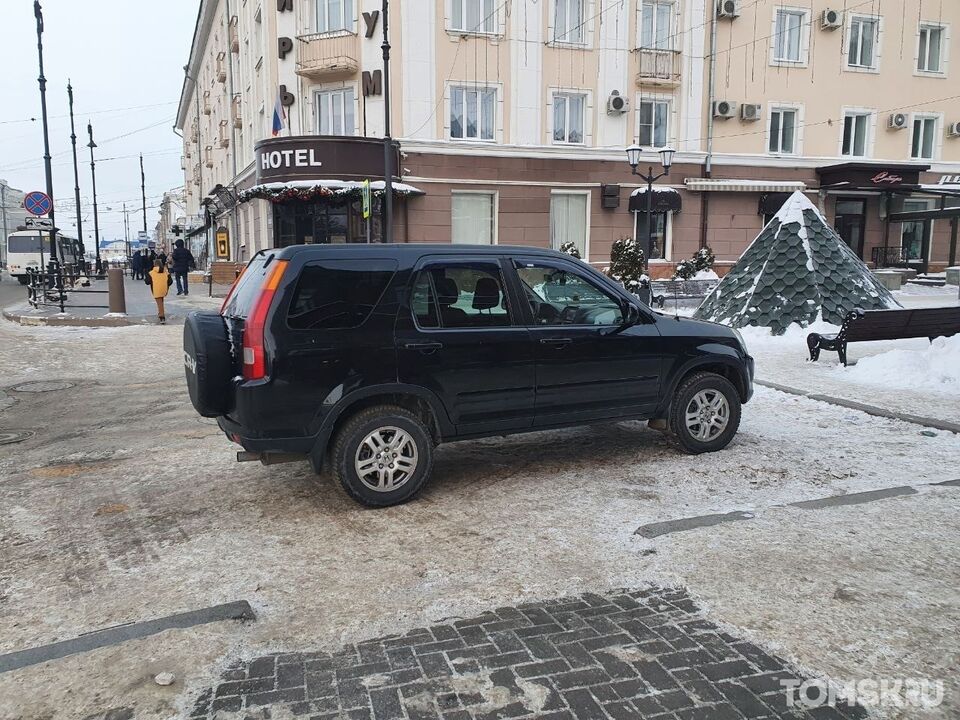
37	203
365	197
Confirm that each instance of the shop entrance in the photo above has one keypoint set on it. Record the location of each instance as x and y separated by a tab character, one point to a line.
313	222
850	222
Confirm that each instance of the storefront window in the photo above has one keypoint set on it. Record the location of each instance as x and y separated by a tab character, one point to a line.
318	223
658	231
913	233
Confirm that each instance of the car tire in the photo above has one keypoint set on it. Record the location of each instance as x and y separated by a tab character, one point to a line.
705	413
381	426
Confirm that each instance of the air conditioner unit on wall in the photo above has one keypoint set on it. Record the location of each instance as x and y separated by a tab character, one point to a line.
831	20
724	109
953	129
898	121
617	104
751	112
728	8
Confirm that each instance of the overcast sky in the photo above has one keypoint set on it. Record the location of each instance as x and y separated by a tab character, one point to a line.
125	60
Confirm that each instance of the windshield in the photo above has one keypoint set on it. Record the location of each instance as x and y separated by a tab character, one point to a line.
248	287
27	244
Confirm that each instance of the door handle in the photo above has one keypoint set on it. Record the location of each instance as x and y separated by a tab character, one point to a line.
424	347
556	342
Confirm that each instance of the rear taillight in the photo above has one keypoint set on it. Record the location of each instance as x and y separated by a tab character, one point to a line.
254	356
232	288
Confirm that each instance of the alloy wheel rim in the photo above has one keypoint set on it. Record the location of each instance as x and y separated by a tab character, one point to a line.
707	415
386	459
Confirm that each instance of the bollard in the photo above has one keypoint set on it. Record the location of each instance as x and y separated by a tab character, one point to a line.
118	302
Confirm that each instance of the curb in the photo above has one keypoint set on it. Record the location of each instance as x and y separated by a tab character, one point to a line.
19	315
944	425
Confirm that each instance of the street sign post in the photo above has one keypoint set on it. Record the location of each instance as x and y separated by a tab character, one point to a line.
37	203
366	199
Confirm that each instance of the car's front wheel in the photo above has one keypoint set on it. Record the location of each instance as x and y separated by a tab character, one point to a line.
705	413
383	456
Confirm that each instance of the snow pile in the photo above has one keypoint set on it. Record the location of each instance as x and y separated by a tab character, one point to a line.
706	275
936	367
760	338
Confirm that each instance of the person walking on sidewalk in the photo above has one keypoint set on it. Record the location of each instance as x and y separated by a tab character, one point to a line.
136	266
159	281
182	262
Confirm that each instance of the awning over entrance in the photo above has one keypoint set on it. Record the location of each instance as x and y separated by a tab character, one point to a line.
740	185
665	199
870	176
312	189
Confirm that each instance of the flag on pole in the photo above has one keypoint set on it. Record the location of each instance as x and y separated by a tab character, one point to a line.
279	116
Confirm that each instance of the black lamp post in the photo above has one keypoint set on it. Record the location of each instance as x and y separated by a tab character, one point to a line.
38	13
76	182
96	218
666	159
387	231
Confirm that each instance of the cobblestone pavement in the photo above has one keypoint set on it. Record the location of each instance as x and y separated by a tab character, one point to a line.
646	654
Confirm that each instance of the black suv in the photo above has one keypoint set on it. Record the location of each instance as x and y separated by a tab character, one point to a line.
366	357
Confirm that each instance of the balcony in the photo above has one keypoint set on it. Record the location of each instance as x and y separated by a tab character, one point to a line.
324	56
658	67
235	35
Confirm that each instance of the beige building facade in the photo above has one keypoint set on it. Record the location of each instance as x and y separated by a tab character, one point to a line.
512	117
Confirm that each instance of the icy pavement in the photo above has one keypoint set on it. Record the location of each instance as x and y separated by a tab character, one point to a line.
124	506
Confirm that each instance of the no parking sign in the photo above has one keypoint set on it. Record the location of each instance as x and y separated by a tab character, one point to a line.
37	203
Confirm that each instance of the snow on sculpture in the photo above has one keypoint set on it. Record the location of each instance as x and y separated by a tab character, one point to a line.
796	271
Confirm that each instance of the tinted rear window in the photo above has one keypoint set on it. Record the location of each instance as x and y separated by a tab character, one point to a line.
338	294
248	288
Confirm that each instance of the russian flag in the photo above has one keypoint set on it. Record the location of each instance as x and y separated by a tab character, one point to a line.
279	116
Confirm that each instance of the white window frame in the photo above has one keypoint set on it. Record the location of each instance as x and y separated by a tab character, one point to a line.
589	205
803	47
944	29
667	232
469	86
552	95
346	12
877	47
494	209
774	107
664	99
938	131
672	33
333	89
496	28
585	37
870	129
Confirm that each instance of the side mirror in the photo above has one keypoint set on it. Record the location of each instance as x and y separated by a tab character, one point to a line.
632	315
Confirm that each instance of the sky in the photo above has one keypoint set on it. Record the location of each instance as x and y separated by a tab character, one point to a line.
125	61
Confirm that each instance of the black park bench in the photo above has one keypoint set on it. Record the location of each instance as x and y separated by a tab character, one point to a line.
663	290
863	325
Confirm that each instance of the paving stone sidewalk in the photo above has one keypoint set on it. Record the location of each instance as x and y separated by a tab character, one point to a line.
628	654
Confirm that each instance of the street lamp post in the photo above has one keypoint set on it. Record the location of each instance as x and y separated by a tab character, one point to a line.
96	218
387	231
38	13
666	159
76	181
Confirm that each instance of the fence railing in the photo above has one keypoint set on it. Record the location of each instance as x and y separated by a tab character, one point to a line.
58	288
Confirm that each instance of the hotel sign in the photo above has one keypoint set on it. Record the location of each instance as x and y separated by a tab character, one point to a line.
319	157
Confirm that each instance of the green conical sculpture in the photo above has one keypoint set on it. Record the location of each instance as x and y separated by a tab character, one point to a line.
796	271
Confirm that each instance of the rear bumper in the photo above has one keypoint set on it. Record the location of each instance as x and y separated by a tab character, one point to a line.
252	443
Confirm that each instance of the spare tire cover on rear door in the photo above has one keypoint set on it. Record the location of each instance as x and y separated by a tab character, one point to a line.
209	367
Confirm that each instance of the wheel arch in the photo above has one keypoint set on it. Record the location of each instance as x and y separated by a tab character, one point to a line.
727	367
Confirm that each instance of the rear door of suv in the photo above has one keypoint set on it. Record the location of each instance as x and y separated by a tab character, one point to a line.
461	337
589	366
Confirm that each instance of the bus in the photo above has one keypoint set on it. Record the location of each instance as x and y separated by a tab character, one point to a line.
24	252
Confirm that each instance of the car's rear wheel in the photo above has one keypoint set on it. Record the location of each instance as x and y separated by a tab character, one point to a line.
382	456
705	413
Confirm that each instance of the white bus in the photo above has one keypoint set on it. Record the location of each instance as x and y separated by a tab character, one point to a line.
23	252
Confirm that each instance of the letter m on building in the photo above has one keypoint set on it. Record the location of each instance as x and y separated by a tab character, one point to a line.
372	83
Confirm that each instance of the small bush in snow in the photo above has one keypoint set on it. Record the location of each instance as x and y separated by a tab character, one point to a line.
702	261
685	270
626	265
570	248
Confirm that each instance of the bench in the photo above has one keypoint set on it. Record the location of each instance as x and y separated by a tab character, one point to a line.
863	325
662	290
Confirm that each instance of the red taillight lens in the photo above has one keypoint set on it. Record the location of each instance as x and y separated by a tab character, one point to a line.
254	356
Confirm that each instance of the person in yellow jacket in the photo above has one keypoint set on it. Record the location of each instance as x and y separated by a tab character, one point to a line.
159	281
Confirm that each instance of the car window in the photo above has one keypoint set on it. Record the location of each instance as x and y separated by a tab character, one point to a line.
468	295
338	294
247	289
558	296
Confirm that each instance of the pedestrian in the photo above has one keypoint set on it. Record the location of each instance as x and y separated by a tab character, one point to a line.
163	258
136	265
183	263
159	281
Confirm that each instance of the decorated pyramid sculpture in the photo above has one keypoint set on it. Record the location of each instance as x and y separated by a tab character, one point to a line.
798	269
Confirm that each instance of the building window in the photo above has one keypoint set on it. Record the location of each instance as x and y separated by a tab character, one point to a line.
335	112
788	36
915	233
653	118
783	131
923	146
862	47
472	113
473	218
568	115
568	220
856	126
659	244
473	16
929	57
655	22
568	21
334	15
